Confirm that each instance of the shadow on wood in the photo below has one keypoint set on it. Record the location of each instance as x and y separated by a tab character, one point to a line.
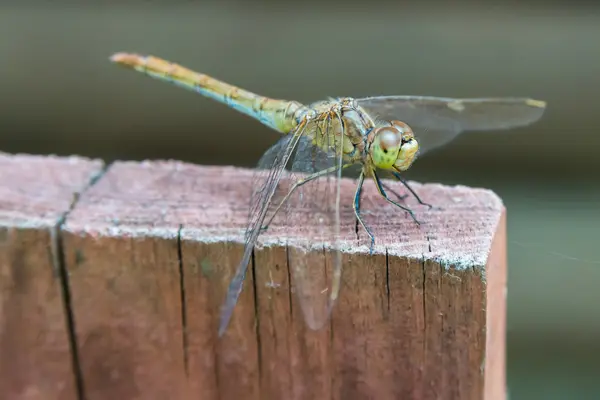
149	250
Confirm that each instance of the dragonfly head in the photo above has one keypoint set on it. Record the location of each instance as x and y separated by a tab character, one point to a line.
394	146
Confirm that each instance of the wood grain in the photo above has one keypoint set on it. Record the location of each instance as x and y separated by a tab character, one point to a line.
410	321
150	249
35	352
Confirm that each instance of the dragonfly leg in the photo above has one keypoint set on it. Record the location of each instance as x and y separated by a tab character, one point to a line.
361	180
401	179
392	191
296	185
382	192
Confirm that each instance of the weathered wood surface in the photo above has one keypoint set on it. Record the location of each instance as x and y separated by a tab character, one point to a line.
150	247
35	195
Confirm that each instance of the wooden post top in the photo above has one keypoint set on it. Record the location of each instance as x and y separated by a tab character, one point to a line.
37	191
211	203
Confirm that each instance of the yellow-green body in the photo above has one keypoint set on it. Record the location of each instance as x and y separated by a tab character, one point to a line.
324	119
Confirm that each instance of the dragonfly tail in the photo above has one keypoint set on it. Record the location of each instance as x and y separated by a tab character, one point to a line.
280	115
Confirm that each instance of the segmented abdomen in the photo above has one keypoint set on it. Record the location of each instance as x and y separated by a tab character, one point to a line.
276	114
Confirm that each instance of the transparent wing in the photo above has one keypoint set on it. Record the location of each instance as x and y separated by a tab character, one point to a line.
264	184
438	120
320	160
312	220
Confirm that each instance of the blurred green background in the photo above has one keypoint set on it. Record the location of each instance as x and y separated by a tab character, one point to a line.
61	95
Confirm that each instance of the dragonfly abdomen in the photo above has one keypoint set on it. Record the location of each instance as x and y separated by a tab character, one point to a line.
276	114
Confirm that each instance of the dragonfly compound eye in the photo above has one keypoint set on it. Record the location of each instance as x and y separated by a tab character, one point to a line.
408	148
385	147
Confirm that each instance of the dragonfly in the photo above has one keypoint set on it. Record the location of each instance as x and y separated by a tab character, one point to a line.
379	134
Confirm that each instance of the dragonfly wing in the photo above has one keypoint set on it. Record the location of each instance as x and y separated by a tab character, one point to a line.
312	213
438	120
264	185
320	159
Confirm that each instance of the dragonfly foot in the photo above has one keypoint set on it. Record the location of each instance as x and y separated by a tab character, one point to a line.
414	218
372	247
264	228
427	204
402	197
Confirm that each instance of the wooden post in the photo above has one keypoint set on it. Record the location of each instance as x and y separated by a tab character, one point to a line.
150	248
36	359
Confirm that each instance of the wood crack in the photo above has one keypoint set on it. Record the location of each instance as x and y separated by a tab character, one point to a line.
59	266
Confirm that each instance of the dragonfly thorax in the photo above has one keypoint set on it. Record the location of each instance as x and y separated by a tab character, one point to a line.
337	124
393	146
